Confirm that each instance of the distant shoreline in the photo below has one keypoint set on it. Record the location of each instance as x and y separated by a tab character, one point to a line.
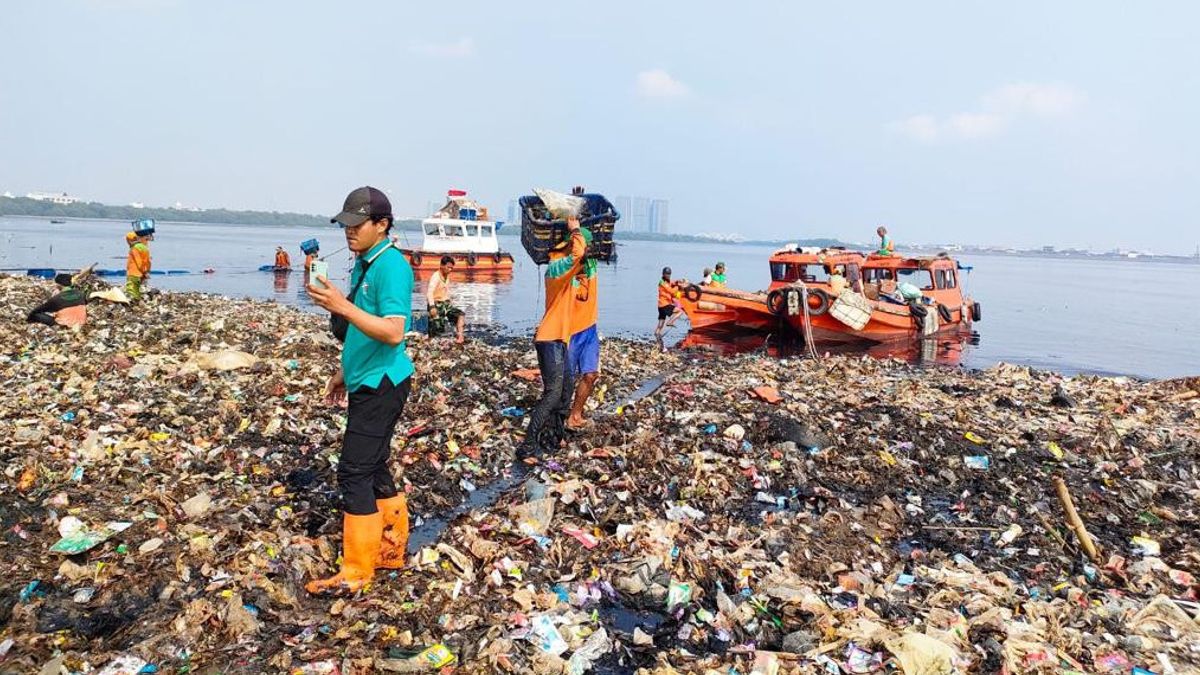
1033	253
286	220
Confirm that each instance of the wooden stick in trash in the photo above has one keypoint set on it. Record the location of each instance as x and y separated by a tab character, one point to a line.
1073	520
83	274
1050	529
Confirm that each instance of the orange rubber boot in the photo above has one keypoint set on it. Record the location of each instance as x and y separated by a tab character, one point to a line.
393	551
360	547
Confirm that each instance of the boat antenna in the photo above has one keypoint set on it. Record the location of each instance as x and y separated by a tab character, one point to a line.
322	258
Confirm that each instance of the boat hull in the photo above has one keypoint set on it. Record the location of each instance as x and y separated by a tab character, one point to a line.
888	323
728	309
466	265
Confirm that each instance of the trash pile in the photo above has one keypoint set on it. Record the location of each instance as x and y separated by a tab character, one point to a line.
168	487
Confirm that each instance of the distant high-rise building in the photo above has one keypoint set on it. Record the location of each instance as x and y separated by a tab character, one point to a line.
514	213
624	207
658	216
641	214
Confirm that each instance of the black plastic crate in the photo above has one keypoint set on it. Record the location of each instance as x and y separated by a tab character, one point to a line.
540	232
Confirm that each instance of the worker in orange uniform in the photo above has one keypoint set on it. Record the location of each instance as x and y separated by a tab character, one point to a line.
282	261
546	421
309	258
583	352
668	313
137	263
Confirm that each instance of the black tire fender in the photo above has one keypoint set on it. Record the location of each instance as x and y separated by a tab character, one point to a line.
917	312
496	257
824	301
976	311
944	312
776	302
692	293
416	259
471	259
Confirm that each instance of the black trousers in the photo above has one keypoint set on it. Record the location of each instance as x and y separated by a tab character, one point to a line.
363	473
546	419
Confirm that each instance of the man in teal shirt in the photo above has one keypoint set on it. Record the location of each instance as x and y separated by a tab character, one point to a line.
886	247
375	377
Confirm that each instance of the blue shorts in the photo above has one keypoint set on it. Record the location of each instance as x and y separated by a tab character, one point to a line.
583	356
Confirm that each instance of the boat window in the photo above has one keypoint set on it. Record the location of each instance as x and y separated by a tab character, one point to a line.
876	274
485	230
454	230
431	228
814	274
945	278
472	230
922	279
784	272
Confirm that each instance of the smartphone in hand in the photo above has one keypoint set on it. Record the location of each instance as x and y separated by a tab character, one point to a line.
319	268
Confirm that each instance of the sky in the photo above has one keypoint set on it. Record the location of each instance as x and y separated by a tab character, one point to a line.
1068	123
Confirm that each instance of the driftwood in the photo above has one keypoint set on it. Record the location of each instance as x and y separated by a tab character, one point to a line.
1074	521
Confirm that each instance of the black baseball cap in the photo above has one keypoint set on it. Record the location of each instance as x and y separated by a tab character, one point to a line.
362	205
666	270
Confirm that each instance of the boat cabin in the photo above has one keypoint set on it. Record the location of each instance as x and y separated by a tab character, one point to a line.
809	265
936	276
449	235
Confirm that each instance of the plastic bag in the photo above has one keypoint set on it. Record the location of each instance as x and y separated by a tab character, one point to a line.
908	291
596	646
920	654
559	204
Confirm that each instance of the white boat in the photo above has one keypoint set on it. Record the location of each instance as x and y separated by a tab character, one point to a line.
460	229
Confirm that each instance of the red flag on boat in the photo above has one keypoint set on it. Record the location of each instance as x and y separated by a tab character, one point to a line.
456	193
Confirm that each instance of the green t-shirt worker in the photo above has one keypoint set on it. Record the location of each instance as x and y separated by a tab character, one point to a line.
718	276
376	377
886	246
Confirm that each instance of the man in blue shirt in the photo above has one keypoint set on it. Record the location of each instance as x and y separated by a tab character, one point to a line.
375	377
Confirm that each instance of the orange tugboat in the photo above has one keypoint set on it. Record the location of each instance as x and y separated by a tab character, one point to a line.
719	307
900	297
460	229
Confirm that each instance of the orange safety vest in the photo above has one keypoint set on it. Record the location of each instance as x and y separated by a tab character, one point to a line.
137	263
666	293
